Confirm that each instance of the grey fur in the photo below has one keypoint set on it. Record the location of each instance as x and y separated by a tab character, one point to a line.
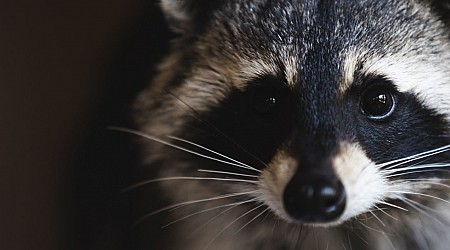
225	45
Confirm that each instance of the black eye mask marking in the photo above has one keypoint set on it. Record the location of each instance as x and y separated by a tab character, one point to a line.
390	124
251	124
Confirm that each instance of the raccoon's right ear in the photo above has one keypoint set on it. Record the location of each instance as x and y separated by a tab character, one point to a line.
189	15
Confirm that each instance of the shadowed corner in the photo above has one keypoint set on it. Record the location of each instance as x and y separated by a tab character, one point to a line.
107	161
69	70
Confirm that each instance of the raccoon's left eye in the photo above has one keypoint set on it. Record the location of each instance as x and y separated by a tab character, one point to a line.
378	102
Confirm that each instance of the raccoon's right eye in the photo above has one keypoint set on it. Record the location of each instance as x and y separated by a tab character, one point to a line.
378	102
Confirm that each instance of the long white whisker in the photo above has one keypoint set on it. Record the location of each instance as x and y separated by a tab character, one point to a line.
428	179
421	205
216	153
425	166
420	194
197	116
230	224
227	173
393	205
378	231
376	217
177	178
143	135
250	221
209	209
370	228
384	212
216	216
415	157
429	182
416	172
436	212
420	208
408	201
181	204
349	241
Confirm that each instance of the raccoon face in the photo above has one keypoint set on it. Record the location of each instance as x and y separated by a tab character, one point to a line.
321	111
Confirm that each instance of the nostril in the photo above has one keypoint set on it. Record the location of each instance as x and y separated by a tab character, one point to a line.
314	200
331	200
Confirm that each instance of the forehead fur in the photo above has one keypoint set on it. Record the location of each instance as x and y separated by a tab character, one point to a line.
328	42
312	44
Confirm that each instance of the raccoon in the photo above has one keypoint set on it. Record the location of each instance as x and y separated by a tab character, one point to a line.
300	124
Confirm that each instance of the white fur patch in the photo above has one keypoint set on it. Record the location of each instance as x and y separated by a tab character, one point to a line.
363	182
274	179
251	68
427	79
255	68
351	60
424	76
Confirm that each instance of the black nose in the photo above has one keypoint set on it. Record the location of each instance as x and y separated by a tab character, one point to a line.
314	199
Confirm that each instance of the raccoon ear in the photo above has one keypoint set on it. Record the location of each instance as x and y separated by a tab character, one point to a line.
189	15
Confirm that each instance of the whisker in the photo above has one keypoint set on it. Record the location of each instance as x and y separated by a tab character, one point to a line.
230	224
181	204
227	173
420	208
425	166
153	138
343	245
378	219
196	115
216	153
349	241
328	243
250	221
420	194
415	157
215	217
424	207
416	172
177	178
393	205
428	181
370	228
360	236
296	236
209	209
384	212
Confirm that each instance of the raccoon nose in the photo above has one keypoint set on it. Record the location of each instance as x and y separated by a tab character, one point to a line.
314	199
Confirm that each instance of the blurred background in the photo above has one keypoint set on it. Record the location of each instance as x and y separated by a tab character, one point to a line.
69	69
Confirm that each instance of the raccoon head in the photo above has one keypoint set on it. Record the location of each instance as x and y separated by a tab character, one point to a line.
327	110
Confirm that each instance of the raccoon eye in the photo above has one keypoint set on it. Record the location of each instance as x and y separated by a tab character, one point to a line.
264	104
377	102
268	94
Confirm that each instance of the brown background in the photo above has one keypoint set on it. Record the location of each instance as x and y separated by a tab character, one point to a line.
55	64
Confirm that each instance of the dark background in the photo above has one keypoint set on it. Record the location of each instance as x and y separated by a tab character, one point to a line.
69	69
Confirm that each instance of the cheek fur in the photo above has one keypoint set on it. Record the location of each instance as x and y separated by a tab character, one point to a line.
274	179
363	181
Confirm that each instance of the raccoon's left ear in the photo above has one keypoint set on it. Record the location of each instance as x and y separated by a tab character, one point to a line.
189	15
